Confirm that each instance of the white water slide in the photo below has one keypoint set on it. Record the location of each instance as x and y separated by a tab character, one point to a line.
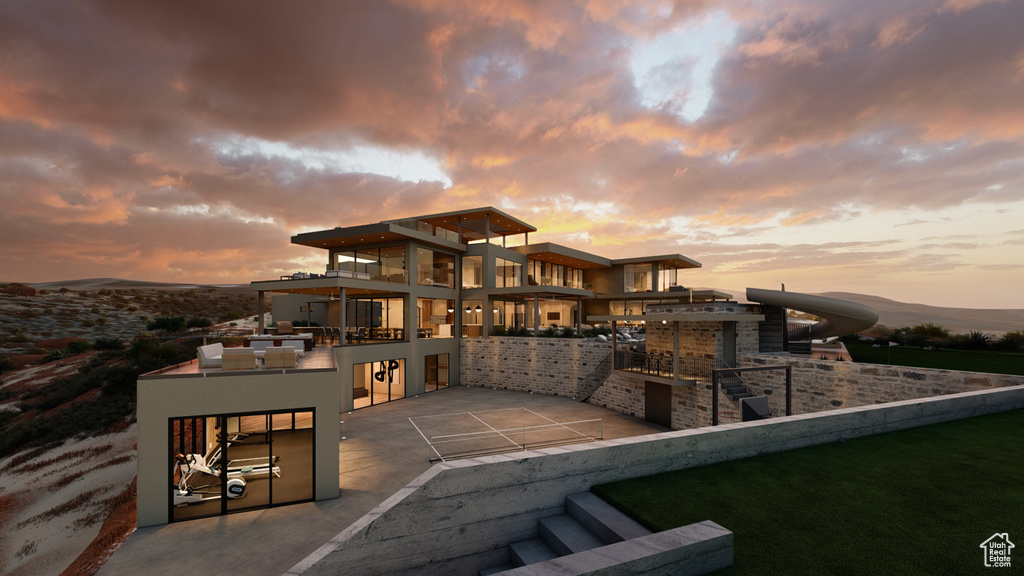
838	317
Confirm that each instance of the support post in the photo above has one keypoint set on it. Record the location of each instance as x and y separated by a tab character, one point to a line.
259	312
789	390
714	398
675	349
579	315
342	316
615	345
536	314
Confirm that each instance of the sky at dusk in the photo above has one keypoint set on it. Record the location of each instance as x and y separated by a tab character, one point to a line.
834	145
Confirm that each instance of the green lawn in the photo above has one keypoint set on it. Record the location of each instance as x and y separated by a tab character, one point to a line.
947	359
919	501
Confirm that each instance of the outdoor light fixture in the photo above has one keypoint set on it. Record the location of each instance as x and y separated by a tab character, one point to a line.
664	321
468	309
478	308
451	309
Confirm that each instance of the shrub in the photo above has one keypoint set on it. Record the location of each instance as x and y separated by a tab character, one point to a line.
88	323
108	343
78	347
547	332
231	315
1010	342
498	331
977	341
55	355
5	364
199	322
167	323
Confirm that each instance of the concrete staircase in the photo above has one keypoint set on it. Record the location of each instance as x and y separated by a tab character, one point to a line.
734	388
591	524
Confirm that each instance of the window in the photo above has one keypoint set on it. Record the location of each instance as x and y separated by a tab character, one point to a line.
232	462
377	264
435	268
435	372
509	315
638	278
667	277
374	320
547	274
436	318
472	318
507	273
473	272
378	382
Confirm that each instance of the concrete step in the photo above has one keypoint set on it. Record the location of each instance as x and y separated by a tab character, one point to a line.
530	552
496	569
603	519
567	536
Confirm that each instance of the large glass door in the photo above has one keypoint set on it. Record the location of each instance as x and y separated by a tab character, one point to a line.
233	462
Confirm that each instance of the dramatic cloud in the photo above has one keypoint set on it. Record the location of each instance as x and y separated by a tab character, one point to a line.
844	145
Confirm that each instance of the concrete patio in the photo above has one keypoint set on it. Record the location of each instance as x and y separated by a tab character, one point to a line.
380	452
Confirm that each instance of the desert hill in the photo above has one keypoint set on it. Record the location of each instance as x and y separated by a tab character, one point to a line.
90	284
958	320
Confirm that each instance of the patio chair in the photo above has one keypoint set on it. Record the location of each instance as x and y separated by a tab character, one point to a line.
280	357
238	359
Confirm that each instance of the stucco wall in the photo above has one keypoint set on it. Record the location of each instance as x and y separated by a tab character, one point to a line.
163	397
459	516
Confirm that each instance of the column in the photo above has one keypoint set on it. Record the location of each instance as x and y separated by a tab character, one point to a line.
615	344
675	349
259	312
342	315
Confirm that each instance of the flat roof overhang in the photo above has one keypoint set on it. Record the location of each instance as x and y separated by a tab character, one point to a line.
355	237
329	287
681	294
529	292
679	316
558	254
475	223
667	260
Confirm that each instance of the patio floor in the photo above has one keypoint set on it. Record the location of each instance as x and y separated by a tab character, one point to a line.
380	452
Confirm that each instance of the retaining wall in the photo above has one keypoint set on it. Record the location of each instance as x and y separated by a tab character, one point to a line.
460	516
820	385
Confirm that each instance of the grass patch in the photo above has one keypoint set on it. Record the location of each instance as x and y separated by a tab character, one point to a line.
918	501
941	358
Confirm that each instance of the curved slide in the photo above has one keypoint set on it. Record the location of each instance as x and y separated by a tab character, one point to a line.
839	317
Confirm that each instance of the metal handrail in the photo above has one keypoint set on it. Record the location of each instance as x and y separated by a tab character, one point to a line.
726	366
662	365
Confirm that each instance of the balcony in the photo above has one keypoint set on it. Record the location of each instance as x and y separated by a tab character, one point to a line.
690	369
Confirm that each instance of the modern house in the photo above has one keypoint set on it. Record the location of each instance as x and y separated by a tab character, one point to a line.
401	294
405	307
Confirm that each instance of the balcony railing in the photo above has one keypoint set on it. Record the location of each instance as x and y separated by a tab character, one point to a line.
663	366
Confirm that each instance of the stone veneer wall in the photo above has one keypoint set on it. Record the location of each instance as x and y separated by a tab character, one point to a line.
691	405
820	385
570	367
554	366
702	338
